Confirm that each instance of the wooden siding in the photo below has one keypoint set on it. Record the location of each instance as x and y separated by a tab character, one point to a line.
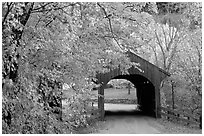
150	71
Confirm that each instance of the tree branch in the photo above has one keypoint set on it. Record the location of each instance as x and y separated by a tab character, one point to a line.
171	39
42	6
9	8
50	9
155	54
110	25
163	53
165	36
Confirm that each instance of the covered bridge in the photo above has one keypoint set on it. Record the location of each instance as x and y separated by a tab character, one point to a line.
147	84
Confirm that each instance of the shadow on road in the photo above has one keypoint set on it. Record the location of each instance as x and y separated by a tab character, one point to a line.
127	122
124	113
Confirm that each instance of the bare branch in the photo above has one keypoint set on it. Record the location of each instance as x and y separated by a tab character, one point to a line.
42	6
170	60
172	38
155	55
165	36
163	53
50	9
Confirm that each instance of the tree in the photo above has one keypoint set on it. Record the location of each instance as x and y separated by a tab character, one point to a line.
169	26
46	45
189	68
170	32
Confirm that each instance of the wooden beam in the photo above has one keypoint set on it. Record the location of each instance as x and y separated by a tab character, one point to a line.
157	102
101	102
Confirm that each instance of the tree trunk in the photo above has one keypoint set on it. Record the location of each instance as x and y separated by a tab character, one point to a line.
172	91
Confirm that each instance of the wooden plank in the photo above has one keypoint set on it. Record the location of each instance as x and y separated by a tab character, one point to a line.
101	102
182	119
157	102
137	58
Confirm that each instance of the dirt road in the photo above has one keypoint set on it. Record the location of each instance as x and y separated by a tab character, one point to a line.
128	125
122	119
125	119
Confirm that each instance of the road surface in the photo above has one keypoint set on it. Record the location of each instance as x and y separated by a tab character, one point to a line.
123	119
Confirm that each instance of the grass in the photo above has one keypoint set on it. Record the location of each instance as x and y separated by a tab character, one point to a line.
112	93
169	127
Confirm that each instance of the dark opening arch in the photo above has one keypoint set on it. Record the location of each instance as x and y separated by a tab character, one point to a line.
145	92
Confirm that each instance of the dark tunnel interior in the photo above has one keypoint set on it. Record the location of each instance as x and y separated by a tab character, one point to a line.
145	93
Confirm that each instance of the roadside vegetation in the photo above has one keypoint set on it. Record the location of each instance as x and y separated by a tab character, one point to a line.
50	49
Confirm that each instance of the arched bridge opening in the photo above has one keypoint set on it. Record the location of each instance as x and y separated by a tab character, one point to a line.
145	93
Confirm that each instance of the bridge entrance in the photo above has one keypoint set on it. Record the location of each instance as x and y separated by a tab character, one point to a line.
147	82
145	93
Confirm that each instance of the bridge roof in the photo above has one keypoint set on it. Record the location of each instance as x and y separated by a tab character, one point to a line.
161	70
149	71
